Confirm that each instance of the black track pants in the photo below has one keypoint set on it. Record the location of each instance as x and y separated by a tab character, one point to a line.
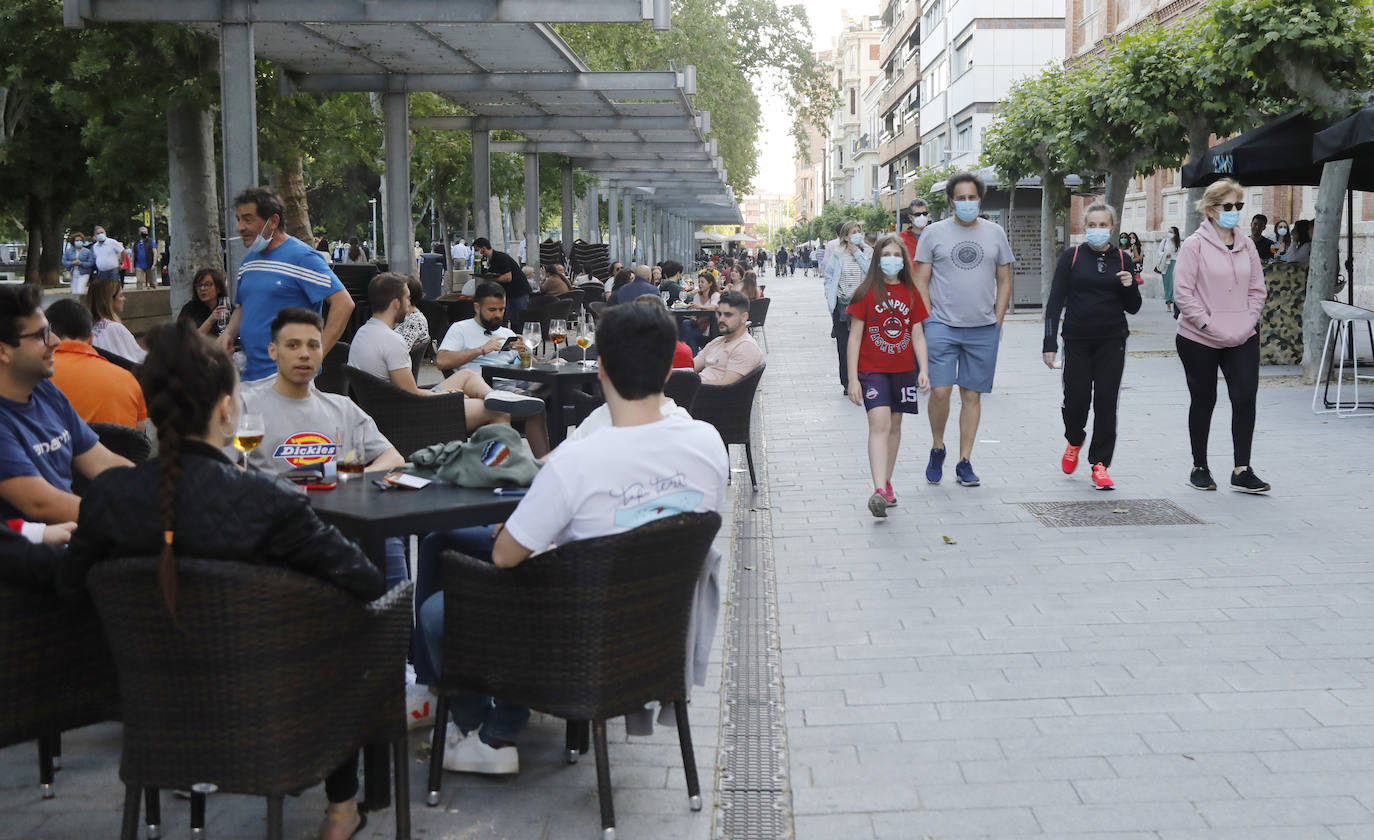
1092	378
1240	366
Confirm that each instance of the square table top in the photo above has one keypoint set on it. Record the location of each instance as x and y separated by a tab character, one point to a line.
357	504
542	372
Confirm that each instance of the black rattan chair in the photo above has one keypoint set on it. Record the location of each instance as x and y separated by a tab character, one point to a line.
590	630
758	313
56	673
411	422
265	682
595	308
546	311
331	377
436	316
121	440
128	364
682	387
730	409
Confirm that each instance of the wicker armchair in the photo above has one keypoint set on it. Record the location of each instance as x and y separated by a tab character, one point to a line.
411	422
128	364
730	409
56	673
121	440
331	377
682	387
590	630
758	313
264	684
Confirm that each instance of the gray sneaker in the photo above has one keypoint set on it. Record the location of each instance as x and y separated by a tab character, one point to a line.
877	506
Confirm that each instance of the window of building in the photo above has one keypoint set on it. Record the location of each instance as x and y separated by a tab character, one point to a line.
963	57
873	52
963	137
933	15
853	102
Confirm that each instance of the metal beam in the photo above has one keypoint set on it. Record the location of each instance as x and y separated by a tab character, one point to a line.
238	128
616	85
396	220
366	11
532	212
551	123
608	149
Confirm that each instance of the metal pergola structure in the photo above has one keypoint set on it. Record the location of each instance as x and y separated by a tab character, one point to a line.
500	61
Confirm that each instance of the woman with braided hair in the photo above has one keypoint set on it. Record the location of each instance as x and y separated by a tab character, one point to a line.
178	502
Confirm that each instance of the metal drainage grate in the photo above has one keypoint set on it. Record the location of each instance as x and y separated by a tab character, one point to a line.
1116	512
751	781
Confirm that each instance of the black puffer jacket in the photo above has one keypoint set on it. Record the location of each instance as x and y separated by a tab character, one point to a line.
222	513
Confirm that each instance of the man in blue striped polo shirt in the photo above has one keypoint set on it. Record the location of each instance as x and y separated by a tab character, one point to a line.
279	271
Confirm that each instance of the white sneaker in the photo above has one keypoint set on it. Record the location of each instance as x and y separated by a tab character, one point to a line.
516	405
470	755
420	706
452	736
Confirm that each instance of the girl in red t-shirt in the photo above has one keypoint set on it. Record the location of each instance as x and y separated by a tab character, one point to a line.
887	359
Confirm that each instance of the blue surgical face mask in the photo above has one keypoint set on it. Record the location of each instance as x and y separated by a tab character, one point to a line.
80	243
260	244
856	239
1283	231
892	266
1228	220
966	211
100	237
1097	237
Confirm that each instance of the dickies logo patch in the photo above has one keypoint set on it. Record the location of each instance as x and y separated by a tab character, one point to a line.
306	449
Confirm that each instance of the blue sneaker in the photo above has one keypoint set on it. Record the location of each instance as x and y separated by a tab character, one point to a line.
935	470
964	472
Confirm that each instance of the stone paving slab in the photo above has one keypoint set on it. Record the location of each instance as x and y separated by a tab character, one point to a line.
1017	681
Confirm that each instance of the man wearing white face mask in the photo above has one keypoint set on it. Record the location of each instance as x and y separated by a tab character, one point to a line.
279	271
963	270
107	252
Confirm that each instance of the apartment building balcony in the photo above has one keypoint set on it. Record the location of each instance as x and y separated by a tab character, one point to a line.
898	143
897	31
902	83
933	111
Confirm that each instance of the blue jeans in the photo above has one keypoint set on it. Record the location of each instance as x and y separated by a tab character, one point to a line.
691	334
497	720
396	572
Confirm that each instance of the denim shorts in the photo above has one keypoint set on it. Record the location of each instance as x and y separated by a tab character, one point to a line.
963	356
896	391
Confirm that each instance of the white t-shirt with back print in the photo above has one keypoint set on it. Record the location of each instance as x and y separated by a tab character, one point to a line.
622	477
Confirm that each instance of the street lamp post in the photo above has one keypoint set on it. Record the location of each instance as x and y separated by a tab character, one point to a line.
373	202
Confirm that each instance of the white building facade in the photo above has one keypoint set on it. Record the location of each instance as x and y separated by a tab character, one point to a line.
972	51
851	142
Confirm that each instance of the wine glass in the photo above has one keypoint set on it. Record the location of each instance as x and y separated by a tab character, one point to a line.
586	336
558	333
249	434
533	336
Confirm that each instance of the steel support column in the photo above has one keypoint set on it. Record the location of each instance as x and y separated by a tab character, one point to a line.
613	222
399	227
532	211
238	128
481	184
568	208
593	232
627	228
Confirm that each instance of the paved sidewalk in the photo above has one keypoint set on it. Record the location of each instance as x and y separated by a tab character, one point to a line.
959	671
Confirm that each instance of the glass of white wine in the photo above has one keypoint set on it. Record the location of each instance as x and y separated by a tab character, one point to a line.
586	336
249	434
533	336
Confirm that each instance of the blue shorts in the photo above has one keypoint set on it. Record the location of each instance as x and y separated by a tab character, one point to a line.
963	356
896	391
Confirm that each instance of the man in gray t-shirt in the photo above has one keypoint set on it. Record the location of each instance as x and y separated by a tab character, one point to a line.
963	270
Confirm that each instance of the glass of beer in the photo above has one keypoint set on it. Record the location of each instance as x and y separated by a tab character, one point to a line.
249	434
348	464
558	333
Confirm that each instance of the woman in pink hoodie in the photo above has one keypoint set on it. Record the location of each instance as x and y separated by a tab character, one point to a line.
1219	292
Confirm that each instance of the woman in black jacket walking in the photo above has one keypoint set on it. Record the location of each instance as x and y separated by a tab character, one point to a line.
193	500
1095	286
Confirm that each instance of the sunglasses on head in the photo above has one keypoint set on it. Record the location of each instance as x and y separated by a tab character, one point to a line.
1229	206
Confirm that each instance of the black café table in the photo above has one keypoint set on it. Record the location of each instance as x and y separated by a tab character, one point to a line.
560	378
368	514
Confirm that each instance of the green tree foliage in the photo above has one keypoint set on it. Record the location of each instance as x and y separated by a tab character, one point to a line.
737	46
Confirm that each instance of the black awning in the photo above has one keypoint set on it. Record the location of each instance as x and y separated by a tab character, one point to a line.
1280	152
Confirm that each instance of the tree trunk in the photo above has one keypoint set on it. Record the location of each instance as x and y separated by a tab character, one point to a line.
1325	262
1051	184
1118	178
193	213
33	223
289	182
1198	137
50	262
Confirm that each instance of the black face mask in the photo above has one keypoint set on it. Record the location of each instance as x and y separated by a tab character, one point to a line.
143	236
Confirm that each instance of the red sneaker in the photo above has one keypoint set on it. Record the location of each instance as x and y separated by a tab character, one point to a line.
1070	460
1101	480
888	494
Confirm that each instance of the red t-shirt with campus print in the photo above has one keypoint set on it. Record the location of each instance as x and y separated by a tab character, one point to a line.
886	345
